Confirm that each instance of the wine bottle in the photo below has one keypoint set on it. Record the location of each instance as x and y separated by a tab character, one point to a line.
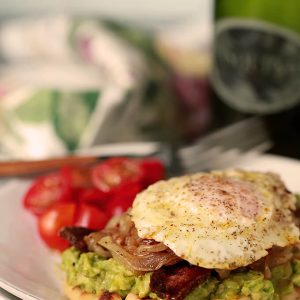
257	54
256	66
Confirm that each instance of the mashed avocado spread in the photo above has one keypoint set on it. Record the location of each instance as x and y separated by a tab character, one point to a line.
94	274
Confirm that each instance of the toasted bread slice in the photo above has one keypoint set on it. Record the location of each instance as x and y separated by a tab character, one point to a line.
75	293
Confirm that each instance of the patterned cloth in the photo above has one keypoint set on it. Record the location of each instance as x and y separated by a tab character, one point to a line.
67	84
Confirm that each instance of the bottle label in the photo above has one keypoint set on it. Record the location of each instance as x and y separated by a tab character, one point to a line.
256	66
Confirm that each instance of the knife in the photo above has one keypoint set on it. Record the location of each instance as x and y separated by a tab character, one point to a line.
82	157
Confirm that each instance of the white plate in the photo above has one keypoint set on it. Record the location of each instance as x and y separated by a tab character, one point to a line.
30	271
4	295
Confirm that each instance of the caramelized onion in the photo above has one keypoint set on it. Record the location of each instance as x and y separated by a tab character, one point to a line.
92	243
278	256
120	240
151	248
261	265
138	264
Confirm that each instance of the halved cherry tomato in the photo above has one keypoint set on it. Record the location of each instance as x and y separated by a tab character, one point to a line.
93	196
78	177
122	198
52	220
88	196
114	172
153	171
90	217
45	191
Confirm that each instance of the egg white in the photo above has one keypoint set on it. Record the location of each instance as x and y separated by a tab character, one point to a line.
222	220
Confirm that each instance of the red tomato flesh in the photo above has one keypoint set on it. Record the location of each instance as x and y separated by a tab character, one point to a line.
93	196
77	177
153	171
115	171
88	197
45	191
90	217
51	222
123	198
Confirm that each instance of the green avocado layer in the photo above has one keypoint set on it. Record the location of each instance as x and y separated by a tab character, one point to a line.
94	274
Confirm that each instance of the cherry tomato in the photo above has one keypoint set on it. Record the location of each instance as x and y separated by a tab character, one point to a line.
45	191
153	171
93	196
114	172
123	198
88	196
90	216
52	220
78	177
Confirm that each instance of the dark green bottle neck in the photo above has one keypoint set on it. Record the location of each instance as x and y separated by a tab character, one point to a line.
283	13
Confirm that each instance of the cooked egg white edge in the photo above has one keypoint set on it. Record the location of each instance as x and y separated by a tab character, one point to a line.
184	214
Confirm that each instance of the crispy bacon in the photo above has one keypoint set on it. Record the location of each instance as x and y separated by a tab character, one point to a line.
176	281
75	236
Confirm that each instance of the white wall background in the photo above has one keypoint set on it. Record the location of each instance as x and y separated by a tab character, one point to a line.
141	11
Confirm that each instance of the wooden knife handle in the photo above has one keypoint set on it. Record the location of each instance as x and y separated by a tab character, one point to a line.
22	168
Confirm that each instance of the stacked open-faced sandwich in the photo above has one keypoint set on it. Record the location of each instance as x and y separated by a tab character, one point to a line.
218	235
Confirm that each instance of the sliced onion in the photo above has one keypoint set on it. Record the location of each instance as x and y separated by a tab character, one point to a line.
279	256
159	247
138	264
92	243
113	222
267	272
121	241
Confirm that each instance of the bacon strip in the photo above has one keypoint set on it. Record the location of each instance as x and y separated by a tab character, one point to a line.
175	282
75	235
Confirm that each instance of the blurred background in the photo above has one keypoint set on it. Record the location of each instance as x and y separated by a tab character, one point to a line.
75	75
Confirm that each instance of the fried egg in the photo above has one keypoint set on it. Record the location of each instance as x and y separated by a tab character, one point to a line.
221	220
